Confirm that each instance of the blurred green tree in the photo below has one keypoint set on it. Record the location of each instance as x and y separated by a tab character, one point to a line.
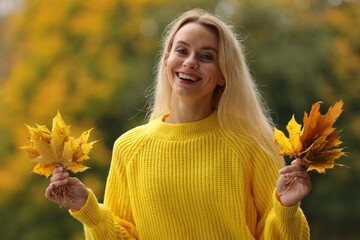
301	52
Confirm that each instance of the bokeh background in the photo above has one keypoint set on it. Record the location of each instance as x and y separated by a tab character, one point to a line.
93	61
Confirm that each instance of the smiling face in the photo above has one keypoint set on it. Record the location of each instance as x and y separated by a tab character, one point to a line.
192	64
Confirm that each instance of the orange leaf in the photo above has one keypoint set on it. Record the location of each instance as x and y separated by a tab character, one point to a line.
319	140
317	125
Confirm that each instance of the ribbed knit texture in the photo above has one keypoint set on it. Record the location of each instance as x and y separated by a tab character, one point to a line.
190	181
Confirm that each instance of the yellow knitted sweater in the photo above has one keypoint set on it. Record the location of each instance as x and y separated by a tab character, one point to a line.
190	181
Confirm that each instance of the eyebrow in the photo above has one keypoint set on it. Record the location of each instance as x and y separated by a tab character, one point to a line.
202	48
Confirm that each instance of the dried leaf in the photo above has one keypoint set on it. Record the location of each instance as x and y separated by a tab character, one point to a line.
320	167
50	149
289	146
318	142
44	169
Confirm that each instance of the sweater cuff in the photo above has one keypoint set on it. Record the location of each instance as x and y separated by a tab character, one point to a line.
89	214
285	214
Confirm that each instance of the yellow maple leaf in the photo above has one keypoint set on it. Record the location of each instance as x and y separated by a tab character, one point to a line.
50	149
317	142
289	146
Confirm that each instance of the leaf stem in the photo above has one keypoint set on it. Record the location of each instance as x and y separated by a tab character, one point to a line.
288	185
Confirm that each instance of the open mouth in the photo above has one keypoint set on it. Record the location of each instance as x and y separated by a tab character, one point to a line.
189	78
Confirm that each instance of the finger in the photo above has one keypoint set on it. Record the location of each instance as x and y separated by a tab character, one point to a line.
59	176
297	174
50	194
58	170
60	182
292	168
301	162
48	191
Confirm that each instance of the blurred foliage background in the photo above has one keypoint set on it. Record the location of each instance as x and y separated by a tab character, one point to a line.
93	60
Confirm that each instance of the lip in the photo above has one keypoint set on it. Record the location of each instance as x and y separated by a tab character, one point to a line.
191	77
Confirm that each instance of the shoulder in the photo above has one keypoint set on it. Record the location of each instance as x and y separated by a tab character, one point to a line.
247	147
132	141
239	140
130	138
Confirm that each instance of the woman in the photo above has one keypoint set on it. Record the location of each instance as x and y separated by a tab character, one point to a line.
204	166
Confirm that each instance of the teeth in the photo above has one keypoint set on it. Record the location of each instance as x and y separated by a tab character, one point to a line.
188	77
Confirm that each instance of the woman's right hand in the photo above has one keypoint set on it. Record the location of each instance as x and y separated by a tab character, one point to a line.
75	193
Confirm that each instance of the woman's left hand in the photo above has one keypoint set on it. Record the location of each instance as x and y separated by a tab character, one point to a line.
294	183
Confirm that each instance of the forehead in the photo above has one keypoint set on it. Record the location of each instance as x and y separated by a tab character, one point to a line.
196	34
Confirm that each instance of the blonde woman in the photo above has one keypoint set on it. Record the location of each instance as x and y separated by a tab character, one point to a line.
204	166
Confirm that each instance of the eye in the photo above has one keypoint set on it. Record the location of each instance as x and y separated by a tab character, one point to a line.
181	51
206	57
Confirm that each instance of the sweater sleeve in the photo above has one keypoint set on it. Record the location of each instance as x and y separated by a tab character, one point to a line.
113	219
286	222
275	220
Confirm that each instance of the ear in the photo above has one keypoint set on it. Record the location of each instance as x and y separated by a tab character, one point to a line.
166	56
222	81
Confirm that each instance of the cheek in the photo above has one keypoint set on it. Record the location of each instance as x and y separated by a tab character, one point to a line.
170	65
169	61
173	60
215	74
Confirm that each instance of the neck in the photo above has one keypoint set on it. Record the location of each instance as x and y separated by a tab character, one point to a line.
183	113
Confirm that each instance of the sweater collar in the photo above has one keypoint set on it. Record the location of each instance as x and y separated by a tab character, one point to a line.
178	131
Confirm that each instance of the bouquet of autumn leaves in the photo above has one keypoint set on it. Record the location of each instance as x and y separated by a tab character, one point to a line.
317	142
51	149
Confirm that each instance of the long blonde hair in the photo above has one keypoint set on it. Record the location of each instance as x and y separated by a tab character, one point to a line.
239	103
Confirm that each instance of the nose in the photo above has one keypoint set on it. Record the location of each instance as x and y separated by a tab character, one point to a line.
191	63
